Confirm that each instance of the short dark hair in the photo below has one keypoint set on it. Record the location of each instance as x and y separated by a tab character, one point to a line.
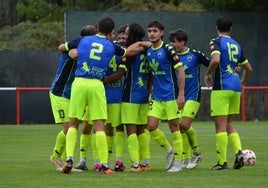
135	33
106	25
88	30
179	35
122	29
224	24
157	24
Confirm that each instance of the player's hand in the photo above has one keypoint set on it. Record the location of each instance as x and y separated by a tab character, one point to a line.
73	53
180	101
208	80
237	69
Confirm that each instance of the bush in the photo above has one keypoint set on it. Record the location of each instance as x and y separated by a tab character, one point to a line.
32	36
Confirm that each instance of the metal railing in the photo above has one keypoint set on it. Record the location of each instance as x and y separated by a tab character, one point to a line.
18	91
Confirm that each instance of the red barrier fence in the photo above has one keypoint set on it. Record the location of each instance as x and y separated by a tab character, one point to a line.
19	89
243	98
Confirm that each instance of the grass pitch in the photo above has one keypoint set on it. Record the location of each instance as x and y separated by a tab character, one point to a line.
25	151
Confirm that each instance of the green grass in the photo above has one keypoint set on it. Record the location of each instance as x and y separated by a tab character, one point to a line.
25	151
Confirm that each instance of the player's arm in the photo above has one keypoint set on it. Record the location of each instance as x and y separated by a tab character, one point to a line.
137	48
214	63
177	65
150	85
115	76
181	81
69	45
246	73
202	58
150	82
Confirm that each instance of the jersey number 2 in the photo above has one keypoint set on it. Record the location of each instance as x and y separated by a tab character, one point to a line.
97	49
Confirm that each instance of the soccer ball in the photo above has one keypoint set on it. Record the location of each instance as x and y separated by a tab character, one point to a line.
249	157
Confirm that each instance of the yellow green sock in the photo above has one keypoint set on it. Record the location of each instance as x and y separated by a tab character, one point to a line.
147	132
177	145
235	141
133	148
144	145
60	145
186	146
95	153
160	138
71	142
221	146
63	155
101	145
192	139
119	140
110	145
84	145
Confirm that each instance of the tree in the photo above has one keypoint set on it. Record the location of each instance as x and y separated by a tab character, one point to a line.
32	36
40	10
8	16
31	16
234	5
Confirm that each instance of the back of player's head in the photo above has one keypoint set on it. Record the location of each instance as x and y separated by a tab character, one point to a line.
88	30
106	25
224	24
135	33
179	35
156	24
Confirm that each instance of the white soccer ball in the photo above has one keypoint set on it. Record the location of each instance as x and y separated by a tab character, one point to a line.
249	157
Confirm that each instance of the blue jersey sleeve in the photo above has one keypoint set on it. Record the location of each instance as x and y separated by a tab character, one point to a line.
214	46
73	44
243	59
172	55
202	58
119	50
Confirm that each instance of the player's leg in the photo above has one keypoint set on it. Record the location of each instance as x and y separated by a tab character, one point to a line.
129	116
154	114
144	145
172	115
84	145
101	145
119	137
221	142
109	131
77	107
60	109
59	148
177	145
186	149
219	110
113	119
161	139
133	147
119	140
143	137
95	154
189	112
192	139
233	135
71	138
97	100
